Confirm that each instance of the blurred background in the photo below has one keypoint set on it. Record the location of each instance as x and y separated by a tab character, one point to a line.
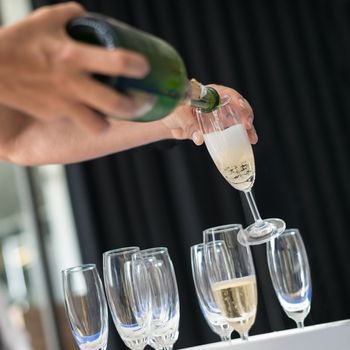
290	60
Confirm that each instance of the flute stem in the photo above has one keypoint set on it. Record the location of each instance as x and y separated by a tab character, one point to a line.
253	208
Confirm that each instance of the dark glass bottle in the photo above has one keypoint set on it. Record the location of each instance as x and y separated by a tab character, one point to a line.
165	87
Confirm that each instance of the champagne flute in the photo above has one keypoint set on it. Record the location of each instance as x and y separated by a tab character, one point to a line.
86	307
210	310
165	313
228	145
290	274
131	320
232	276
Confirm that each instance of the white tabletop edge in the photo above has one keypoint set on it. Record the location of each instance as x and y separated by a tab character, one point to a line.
262	338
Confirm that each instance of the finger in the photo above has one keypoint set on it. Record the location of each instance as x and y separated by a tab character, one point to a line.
191	129
247	120
62	13
246	105
86	118
102	98
253	137
245	111
109	62
238	101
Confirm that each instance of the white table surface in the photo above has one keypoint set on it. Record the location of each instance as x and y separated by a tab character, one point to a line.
327	336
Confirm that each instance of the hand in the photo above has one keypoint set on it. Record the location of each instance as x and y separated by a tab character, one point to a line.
46	74
182	122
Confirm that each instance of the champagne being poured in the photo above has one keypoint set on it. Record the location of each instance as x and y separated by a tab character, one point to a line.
165	87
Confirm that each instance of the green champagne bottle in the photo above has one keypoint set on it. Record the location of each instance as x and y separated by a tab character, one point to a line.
165	87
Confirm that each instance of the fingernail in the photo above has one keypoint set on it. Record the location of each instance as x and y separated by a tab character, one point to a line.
196	138
127	110
141	68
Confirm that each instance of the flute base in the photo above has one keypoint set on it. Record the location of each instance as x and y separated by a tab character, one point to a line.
261	232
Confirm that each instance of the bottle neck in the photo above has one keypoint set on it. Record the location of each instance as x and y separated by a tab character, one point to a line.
202	97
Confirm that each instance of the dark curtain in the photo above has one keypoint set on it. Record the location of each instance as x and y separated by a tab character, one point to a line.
290	60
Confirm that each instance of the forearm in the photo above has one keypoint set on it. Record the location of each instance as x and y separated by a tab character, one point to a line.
62	142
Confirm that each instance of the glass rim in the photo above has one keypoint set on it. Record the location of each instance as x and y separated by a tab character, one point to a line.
150	251
120	251
221	228
199	245
224	100
290	230
79	268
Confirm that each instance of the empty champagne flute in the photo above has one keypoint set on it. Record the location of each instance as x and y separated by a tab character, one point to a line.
228	145
131	320
86	307
232	276
290	274
165	312
209	308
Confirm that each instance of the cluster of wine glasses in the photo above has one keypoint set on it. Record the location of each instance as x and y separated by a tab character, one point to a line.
225	282
142	295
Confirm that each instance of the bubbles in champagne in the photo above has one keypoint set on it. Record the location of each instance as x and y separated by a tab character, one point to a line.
240	176
237	301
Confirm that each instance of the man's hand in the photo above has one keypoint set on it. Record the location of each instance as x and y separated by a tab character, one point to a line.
182	123
47	75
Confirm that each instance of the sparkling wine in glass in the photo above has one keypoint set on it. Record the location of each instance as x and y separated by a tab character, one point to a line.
228	145
209	308
232	276
86	307
290	274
